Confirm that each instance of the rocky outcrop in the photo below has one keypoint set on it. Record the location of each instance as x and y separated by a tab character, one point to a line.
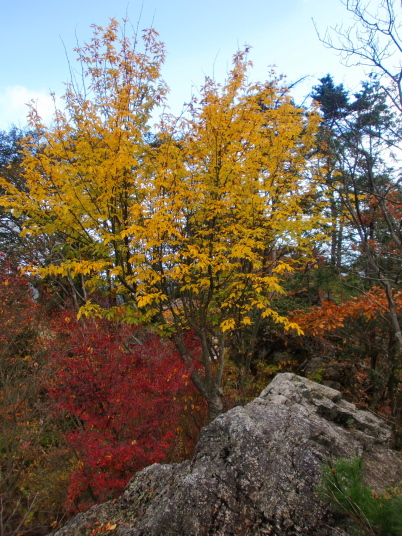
254	471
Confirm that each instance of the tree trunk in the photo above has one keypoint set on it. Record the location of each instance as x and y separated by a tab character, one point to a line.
215	406
212	392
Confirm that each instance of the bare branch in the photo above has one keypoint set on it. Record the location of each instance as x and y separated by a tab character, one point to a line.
372	40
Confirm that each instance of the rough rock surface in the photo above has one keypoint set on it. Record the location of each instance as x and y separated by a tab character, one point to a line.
254	471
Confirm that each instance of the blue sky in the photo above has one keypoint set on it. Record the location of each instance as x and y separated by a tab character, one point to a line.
200	38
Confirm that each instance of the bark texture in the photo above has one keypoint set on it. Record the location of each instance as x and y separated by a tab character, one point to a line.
254	471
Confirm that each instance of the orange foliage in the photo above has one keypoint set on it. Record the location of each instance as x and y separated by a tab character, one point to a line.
329	315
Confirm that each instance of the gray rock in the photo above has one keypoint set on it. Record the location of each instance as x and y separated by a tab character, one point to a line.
254	471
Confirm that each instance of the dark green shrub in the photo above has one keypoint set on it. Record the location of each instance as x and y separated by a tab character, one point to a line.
343	487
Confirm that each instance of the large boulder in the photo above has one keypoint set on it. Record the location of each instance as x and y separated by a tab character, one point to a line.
254	471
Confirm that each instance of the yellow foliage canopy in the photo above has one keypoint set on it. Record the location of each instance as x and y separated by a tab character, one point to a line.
208	213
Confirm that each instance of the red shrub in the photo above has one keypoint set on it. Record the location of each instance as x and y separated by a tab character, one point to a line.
121	386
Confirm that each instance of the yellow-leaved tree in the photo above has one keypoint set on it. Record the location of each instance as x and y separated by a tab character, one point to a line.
195	226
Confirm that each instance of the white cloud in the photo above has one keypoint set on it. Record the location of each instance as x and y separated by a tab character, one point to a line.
14	109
